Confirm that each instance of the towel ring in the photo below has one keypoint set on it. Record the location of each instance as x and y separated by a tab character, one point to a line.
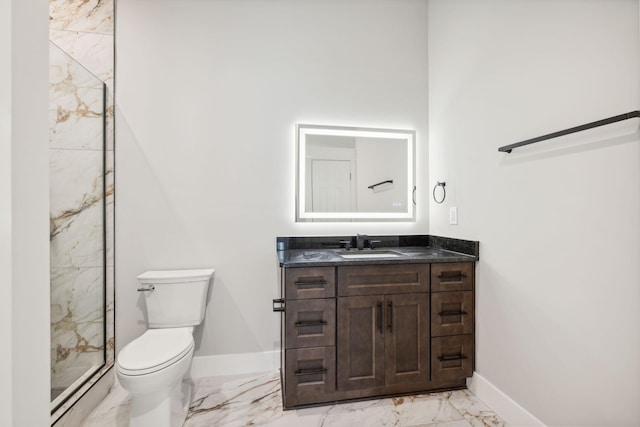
444	192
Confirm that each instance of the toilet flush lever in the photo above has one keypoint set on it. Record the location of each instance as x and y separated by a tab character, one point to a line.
147	289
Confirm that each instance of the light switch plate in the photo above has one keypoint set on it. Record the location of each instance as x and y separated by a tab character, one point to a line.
453	215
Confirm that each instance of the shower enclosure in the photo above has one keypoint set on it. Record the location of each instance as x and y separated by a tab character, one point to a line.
81	164
81	224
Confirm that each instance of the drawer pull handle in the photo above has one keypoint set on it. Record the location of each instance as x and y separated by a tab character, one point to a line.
280	302
459	275
390	320
310	323
452	313
318	284
453	357
380	321
302	372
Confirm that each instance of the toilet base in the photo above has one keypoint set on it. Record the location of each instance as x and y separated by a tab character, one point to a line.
165	408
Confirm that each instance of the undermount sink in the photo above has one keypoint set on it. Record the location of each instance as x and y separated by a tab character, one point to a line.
368	255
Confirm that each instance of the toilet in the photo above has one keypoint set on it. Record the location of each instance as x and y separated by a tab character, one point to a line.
153	366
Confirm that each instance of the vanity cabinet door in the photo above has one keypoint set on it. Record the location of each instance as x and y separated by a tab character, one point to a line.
360	342
382	341
382	279
310	323
310	282
451	313
407	339
452	277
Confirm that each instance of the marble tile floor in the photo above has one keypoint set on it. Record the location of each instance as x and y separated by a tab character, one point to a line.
256	400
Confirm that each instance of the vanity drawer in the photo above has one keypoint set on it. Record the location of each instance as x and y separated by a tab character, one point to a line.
310	282
310	375
452	277
451	313
382	279
452	358
310	323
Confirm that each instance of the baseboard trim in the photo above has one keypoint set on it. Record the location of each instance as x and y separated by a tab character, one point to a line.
507	408
234	364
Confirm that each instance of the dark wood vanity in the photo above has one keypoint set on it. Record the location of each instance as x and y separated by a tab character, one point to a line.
354	330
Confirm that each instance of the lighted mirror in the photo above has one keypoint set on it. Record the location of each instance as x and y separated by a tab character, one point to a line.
355	174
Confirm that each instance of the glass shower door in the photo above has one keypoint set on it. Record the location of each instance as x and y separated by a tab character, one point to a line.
77	224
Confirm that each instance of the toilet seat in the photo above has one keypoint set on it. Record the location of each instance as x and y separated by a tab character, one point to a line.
155	350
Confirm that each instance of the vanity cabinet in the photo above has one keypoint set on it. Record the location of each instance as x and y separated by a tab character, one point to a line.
356	331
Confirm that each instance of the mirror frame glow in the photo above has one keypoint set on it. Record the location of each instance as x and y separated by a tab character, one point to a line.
406	136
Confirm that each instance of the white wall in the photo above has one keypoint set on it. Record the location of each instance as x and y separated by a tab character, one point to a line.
558	297
24	207
208	96
6	380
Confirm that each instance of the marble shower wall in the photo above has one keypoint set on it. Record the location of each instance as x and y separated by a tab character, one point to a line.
81	60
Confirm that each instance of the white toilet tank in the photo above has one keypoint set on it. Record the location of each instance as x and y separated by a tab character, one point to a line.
175	298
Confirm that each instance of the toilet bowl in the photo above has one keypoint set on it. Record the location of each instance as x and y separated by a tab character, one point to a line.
152	367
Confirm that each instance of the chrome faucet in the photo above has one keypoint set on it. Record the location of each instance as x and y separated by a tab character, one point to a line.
360	239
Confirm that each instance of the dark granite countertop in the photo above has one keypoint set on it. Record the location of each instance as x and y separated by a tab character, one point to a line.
325	251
